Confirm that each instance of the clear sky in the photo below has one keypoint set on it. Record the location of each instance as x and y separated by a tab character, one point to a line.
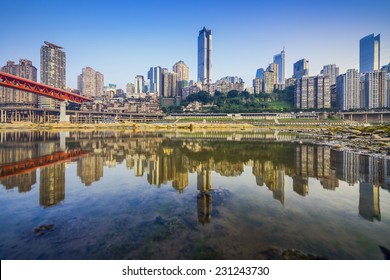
122	39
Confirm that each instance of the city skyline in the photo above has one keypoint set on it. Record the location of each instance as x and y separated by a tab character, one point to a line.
123	46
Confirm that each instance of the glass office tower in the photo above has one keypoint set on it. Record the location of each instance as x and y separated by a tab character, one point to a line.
369	53
204	56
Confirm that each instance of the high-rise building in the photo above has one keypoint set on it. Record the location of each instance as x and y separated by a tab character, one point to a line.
204	56
280	59
331	71
369	53
53	71
257	85
386	68
259	73
165	81
375	92
274	68
170	84
130	90
90	83
301	69
322	91
348	90
14	97
312	93
139	84
269	81
388	90
155	80
182	71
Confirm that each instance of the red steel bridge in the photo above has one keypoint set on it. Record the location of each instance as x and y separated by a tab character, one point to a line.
11	81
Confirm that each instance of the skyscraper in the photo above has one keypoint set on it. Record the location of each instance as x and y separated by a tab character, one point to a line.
53	71
139	84
14	97
279	59
260	73
348	90
204	56
155	80
169	83
301	68
331	71
375	93
182	71
312	93
274	68
90	82
369	53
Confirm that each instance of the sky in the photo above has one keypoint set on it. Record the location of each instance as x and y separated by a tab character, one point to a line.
122	39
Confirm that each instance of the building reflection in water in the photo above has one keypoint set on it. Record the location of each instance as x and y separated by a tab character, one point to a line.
52	184
369	202
23	182
170	158
204	197
90	169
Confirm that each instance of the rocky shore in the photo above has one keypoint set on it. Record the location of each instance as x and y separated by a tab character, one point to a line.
364	140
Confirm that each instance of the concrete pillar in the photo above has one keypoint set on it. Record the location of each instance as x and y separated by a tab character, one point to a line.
63	136
62	111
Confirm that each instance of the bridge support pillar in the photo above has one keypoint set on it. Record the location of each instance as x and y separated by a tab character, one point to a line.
62	111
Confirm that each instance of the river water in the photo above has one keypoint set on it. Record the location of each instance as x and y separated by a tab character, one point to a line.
203	195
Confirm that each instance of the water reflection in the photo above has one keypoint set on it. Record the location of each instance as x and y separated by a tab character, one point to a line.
171	158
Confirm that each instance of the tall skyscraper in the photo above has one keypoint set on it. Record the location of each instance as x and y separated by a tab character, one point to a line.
53	71
90	83
14	97
280	59
204	56
369	53
348	90
301	69
182	71
155	80
331	71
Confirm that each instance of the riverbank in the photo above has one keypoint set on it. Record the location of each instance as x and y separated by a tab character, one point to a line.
362	139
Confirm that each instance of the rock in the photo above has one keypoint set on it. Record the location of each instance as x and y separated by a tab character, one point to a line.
356	132
44	229
378	131
159	220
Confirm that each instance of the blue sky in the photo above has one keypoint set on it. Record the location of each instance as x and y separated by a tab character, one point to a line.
122	39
